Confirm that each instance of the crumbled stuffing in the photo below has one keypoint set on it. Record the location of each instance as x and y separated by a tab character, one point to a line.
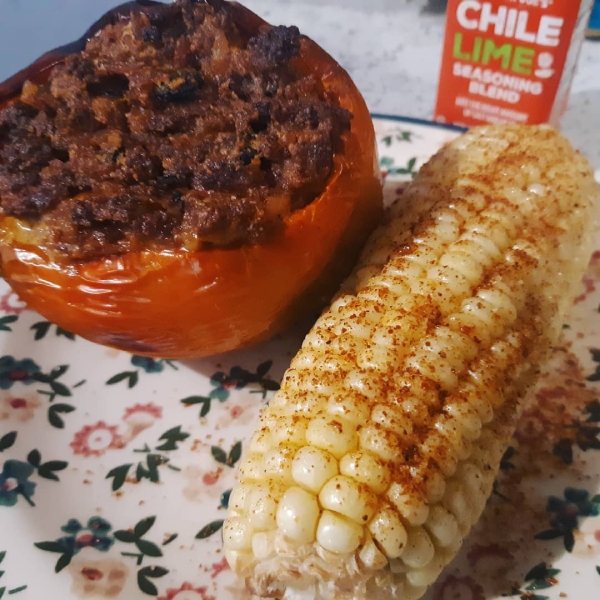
171	129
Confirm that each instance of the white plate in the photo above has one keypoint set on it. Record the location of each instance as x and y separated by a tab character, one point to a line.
123	464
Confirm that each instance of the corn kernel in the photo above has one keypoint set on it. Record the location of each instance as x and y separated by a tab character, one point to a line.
380	442
371	556
448	428
289	430
412	508
365	468
474	486
297	515
263	544
501	303
421	578
468	266
389	532
352	407
395	283
435	486
378	358
332	434
349	498
237	534
434	367
465	416
479	246
396	418
338	534
318	338
260	508
305	359
442	526
457	503
312	468
366	382
478	400
419	549
277	464
261	441
251	467
492	229
332	362
356	324
436	449
237	498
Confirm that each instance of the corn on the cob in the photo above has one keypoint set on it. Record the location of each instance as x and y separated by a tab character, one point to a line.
377	455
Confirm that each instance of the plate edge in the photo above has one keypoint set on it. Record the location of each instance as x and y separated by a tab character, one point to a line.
416	121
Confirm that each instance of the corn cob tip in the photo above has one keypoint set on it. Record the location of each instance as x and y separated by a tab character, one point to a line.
377	455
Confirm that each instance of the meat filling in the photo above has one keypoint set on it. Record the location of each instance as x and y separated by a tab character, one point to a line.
171	129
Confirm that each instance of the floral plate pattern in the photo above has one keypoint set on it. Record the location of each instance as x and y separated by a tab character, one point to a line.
115	470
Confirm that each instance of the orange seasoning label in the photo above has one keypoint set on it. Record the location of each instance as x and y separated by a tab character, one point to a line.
508	60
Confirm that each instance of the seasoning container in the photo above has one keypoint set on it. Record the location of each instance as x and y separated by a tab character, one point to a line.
509	61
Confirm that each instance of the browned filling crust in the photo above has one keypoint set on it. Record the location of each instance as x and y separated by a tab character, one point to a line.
171	129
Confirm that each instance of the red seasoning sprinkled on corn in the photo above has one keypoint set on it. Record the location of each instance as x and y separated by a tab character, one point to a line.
376	457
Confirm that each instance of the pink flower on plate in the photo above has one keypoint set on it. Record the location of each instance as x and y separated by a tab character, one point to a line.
218	567
202	484
10	303
95	440
187	592
140	417
20	408
589	286
98	578
141	411
238	415
591	278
